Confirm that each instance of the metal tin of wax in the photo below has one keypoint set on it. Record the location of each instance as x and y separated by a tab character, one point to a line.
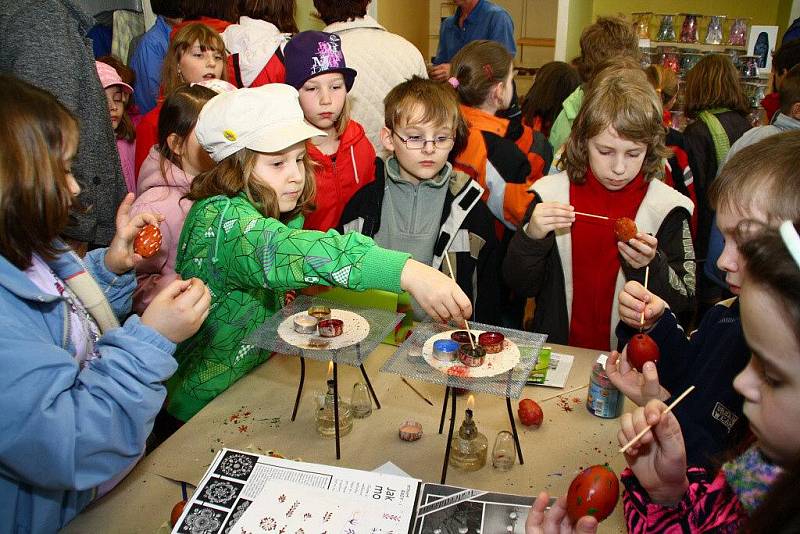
471	357
492	342
445	350
320	312
331	327
305	324
461	336
603	400
410	431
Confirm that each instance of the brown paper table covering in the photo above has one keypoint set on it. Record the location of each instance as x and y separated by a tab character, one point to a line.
254	415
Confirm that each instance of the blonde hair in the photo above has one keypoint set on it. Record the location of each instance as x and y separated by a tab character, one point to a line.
623	99
195	32
714	83
478	67
344	117
234	175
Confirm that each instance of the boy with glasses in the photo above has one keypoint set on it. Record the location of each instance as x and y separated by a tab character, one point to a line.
418	204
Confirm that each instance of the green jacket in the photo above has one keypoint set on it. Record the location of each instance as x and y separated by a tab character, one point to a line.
562	127
248	262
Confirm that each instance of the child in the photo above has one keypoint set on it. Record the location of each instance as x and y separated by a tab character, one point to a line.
758	183
344	159
715	98
256	43
607	38
573	264
117	94
495	155
244	236
165	179
661	494
196	53
418	204
78	389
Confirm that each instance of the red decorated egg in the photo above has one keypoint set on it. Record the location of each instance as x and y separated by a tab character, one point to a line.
593	492
641	349
530	413
177	510
625	229
147	241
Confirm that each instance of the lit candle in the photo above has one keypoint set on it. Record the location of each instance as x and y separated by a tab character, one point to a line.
330	370
470	406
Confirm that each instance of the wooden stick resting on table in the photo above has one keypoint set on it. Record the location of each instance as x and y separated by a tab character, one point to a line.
415	390
453	276
638	436
592	215
573	390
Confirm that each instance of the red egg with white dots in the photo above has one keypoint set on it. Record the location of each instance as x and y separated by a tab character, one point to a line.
148	241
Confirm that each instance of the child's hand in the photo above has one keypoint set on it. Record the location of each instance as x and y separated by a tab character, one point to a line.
555	520
439	73
633	299
120	257
640	251
438	294
549	216
638	387
658	459
178	311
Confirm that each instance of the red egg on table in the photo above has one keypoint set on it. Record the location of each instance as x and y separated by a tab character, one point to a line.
147	241
593	492
177	510
642	349
530	413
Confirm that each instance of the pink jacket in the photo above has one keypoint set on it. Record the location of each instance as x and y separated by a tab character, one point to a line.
126	151
157	194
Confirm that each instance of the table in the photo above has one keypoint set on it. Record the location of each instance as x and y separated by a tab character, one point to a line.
254	414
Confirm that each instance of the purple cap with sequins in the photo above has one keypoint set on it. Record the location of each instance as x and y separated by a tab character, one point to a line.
312	53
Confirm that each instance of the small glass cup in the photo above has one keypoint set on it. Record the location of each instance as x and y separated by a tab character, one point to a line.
360	401
504	453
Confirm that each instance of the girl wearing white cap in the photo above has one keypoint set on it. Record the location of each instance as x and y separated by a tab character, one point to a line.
244	238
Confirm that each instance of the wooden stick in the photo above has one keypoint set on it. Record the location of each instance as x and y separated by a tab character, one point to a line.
573	390
415	390
592	215
638	436
453	276
646	279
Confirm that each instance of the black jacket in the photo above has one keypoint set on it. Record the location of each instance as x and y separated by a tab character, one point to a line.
476	269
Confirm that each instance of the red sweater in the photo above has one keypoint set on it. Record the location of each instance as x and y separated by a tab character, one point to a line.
147	135
340	175
595	258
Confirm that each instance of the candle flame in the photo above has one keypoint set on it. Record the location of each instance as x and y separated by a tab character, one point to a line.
471	402
330	369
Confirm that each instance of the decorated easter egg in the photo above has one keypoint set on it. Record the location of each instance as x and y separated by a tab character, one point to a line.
593	492
625	229
641	349
530	413
147	241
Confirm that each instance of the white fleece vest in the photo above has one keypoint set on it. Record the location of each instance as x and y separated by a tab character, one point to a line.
658	202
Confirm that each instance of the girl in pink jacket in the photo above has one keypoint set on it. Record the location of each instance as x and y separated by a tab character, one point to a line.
165	177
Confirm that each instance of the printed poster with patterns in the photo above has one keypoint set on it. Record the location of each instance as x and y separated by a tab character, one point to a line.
289	497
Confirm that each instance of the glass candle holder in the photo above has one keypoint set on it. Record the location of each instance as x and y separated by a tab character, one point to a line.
504	452
325	419
360	401
666	29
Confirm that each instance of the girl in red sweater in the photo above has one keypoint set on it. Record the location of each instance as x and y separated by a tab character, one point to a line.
344	157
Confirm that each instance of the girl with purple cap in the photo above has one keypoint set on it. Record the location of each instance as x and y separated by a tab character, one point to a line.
344	158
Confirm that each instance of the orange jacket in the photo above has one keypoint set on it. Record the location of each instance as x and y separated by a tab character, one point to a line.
498	156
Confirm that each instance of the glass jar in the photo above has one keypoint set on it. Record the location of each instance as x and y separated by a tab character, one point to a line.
738	32
689	29
714	31
325	418
469	447
666	29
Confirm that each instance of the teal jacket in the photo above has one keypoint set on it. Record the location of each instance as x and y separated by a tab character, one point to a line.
249	262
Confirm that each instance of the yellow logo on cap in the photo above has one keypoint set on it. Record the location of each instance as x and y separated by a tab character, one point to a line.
230	135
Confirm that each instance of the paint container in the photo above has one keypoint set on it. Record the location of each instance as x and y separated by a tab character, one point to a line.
445	350
462	336
305	324
320	312
471	357
410	431
331	327
603	400
492	342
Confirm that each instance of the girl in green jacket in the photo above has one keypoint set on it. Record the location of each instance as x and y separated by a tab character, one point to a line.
243	237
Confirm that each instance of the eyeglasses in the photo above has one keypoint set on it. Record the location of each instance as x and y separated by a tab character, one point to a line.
415	142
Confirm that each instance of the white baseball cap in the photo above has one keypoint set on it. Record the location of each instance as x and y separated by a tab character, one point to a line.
265	119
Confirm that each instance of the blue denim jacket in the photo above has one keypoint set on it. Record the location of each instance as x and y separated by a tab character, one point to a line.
63	430
485	21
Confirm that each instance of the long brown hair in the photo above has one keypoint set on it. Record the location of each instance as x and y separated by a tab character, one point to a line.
179	116
478	67
664	81
622	98
714	83
37	132
281	13
234	175
330	11
554	82
183	41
